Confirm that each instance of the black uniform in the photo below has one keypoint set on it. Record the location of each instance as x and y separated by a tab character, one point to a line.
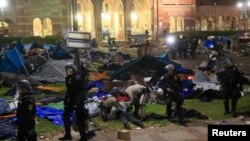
26	118
229	77
173	83
74	101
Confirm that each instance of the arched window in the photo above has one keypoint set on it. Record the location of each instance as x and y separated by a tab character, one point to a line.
47	27
171	24
221	24
105	7
234	23
180	24
37	27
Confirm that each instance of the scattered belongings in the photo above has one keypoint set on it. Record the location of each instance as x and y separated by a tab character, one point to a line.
48	89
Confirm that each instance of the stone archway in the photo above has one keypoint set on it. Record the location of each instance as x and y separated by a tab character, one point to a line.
113	19
5	27
85	16
210	23
221	23
234	23
141	16
204	24
198	24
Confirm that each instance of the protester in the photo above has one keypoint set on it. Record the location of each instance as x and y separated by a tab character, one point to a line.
121	111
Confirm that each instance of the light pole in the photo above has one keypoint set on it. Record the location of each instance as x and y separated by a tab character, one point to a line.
3	4
243	7
75	28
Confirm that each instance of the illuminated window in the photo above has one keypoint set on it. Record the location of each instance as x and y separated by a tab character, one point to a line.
37	27
47	27
171	24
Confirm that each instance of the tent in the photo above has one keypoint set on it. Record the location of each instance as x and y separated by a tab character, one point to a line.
12	61
145	62
61	52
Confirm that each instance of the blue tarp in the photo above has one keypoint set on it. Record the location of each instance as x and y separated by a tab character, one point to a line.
209	44
7	129
49	47
51	114
12	61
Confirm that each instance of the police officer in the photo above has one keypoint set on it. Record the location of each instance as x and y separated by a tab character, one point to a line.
74	102
171	85
229	78
26	112
137	97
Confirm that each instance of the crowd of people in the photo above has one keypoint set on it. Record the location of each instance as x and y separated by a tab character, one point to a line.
127	103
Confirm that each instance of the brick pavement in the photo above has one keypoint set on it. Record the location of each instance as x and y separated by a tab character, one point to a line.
193	132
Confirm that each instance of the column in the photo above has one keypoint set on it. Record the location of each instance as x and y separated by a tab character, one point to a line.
98	19
127	17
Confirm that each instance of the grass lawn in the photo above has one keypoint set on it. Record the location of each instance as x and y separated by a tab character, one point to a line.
214	110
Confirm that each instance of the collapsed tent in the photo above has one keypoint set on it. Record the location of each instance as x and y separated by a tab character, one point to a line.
12	62
61	52
145	62
148	62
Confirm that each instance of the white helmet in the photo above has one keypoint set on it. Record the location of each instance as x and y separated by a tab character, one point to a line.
169	67
159	91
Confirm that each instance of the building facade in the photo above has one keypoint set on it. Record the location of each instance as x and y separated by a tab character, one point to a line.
117	18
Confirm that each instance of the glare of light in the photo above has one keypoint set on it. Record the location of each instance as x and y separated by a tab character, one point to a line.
211	46
105	15
240	5
190	77
133	16
248	3
79	17
3	3
170	39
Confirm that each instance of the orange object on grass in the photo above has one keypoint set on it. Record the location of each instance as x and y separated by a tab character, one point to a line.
50	89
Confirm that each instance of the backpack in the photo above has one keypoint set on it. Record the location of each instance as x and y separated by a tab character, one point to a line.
4	106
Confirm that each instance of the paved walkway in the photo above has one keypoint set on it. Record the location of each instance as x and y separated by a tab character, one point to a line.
193	132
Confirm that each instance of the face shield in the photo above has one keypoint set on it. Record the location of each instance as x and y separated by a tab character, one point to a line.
69	71
21	91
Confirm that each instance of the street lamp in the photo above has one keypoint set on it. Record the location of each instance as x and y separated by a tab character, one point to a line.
243	6
3	4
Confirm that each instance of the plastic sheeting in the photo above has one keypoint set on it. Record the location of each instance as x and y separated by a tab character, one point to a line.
7	129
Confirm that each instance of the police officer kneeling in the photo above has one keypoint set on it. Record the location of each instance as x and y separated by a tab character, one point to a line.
26	112
171	85
74	102
229	78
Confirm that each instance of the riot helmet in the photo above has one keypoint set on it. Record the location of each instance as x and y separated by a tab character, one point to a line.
114	91
70	69
169	67
23	86
160	91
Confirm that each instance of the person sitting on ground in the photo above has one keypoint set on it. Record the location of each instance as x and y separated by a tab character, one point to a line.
120	111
